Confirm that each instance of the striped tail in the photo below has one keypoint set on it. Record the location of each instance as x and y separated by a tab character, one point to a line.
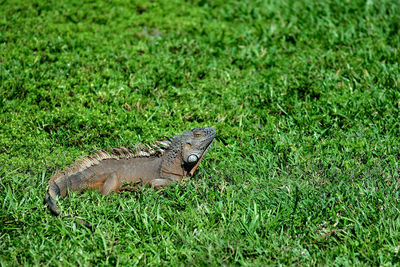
50	199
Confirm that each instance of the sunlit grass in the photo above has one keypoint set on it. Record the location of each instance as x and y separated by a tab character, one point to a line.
304	96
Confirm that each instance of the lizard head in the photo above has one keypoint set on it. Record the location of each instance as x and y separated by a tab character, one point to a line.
196	143
185	152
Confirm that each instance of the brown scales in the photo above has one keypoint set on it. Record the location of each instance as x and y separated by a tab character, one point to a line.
158	166
85	162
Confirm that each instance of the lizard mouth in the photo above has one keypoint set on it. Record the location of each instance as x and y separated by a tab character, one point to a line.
201	158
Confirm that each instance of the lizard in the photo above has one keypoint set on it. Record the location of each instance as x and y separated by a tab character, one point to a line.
158	166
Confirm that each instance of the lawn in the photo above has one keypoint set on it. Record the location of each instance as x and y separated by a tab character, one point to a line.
304	95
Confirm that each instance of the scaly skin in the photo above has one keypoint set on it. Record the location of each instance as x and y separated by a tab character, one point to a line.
107	172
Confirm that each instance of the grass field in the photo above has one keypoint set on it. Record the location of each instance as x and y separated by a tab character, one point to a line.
304	96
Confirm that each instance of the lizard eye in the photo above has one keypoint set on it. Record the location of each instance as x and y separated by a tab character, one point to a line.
192	158
197	134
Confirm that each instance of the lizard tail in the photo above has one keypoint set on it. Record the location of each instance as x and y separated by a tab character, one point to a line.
50	200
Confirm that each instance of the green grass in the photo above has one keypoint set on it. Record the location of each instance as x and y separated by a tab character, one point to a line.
304	96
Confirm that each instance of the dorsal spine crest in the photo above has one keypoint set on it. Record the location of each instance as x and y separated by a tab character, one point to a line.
139	151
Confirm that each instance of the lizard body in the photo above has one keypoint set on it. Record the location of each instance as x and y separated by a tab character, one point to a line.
157	166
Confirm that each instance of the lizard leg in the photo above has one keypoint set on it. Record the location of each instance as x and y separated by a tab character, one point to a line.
159	183
112	184
128	188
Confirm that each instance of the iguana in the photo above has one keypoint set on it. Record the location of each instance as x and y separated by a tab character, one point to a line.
157	166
